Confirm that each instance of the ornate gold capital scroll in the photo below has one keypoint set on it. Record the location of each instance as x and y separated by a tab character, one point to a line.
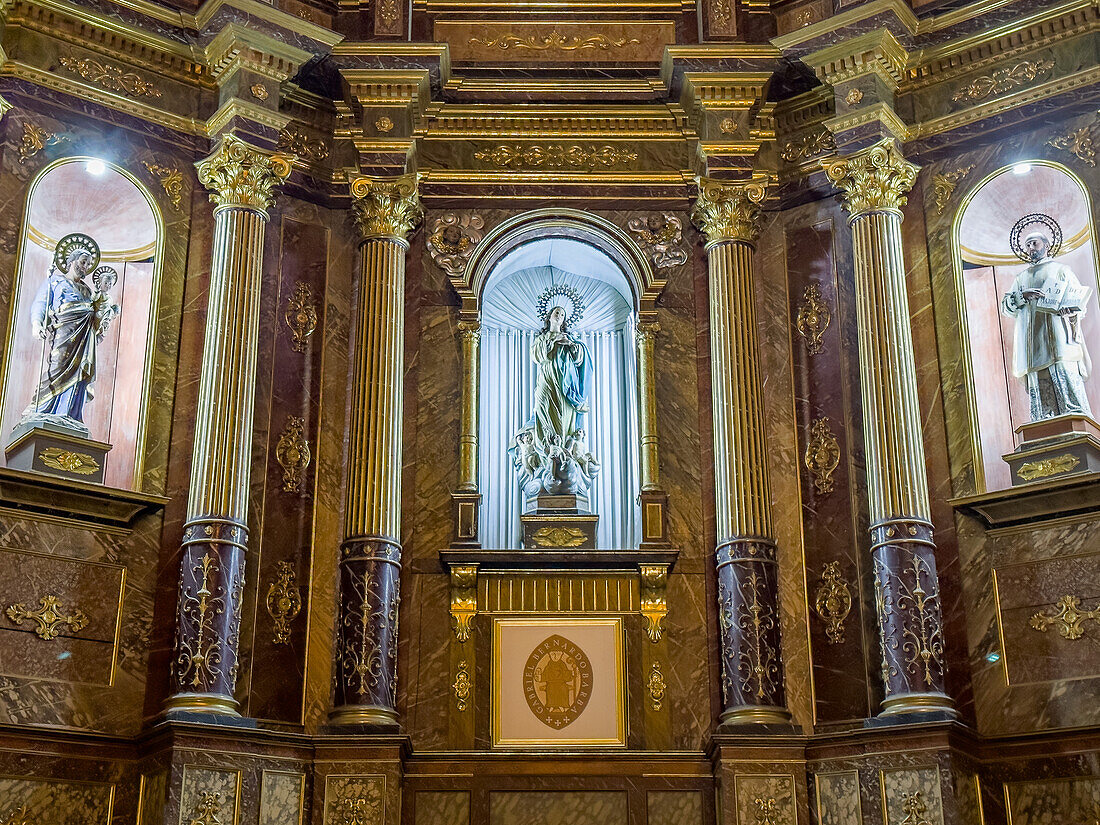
874	179
238	174
729	211
386	207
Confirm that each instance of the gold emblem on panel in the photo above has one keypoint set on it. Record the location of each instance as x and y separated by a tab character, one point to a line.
557	681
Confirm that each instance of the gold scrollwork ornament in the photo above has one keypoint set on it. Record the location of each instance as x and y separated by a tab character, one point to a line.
293	453
294	140
1047	467
555	41
1069	618
656	685
558	537
35	139
57	458
833	602
283	602
943	186
813	319
1079	143
822	456
171	180
914	807
301	315
462	686
1002	81
207	809
556	156
49	618
109	76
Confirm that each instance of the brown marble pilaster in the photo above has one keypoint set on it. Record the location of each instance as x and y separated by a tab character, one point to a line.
386	210
748	580
241	180
874	182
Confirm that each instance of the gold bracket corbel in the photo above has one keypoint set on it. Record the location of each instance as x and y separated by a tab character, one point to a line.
463	599
654	605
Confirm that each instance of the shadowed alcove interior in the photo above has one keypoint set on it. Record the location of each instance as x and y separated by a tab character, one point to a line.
985	270
103	201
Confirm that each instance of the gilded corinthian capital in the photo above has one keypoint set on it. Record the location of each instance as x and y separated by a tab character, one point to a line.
727	211
386	207
238	174
874	179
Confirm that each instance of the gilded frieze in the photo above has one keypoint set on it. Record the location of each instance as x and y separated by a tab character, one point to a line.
70	461
283	602
556	156
110	76
1047	467
554	41
1002	81
661	237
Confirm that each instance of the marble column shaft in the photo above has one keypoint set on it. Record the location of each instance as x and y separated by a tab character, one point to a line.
746	559
242	180
386	210
647	406
874	182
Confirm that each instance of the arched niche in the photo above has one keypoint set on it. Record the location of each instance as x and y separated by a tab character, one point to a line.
552	244
105	202
985	268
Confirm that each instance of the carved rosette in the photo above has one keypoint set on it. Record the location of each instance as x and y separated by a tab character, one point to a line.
875	179
729	211
366	645
907	600
748	619
386	207
240	175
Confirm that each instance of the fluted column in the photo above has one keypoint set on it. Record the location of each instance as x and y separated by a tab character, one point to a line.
470	333
386	210
242	182
644	337
874	182
748	576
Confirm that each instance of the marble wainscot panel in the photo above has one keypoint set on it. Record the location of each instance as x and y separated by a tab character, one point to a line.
67	803
442	808
674	808
551	808
282	798
207	793
1053	800
837	798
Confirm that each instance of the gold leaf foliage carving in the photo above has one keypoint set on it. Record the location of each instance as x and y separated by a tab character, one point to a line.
463	599
49	617
813	319
293	453
1002	81
1068	617
656	685
386	207
914	807
207	809
71	462
729	211
297	142
558	537
462	686
822	456
654	599
283	602
1079	143
238	174
109	76
34	140
833	602
556	156
943	186
809	146
661	237
171	180
873	179
301	315
555	41
1047	467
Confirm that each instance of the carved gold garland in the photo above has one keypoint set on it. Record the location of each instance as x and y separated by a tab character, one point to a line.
558	537
555	41
556	156
809	146
109	76
1002	80
297	142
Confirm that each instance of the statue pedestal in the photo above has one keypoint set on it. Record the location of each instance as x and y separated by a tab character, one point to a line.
1060	446
56	450
559	522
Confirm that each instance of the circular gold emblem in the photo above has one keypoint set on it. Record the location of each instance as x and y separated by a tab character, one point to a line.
557	681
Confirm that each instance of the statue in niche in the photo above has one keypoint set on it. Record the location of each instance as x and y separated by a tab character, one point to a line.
1048	303
550	452
71	316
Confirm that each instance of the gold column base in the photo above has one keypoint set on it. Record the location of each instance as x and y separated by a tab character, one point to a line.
363	715
756	715
917	703
202	703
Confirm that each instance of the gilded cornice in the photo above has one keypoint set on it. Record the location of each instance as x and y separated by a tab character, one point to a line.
878	53
874	179
878	113
386	207
238	174
236	46
730	211
547	122
235	107
835	24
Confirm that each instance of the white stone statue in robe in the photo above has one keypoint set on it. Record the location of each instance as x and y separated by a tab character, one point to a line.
1048	304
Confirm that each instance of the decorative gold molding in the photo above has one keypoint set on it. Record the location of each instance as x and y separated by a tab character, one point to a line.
654	599
49	619
813	319
1079	143
1002	81
301	315
296	142
386	207
35	139
293	454
943	186
822	456
462	686
109	76
463	599
558	537
70	461
556	156
1047	467
874	179
809	146
238	174
452	241
729	211
555	41
1069	618
656	685
171	180
283	602
833	602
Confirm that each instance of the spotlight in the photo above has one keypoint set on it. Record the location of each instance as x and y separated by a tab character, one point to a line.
1021	168
96	167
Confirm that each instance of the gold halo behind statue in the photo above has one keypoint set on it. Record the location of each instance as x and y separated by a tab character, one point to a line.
1031	220
65	247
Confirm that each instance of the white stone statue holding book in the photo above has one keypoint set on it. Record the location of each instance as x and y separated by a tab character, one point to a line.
1048	304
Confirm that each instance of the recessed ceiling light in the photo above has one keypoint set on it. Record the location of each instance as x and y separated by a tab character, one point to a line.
1021	168
96	167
